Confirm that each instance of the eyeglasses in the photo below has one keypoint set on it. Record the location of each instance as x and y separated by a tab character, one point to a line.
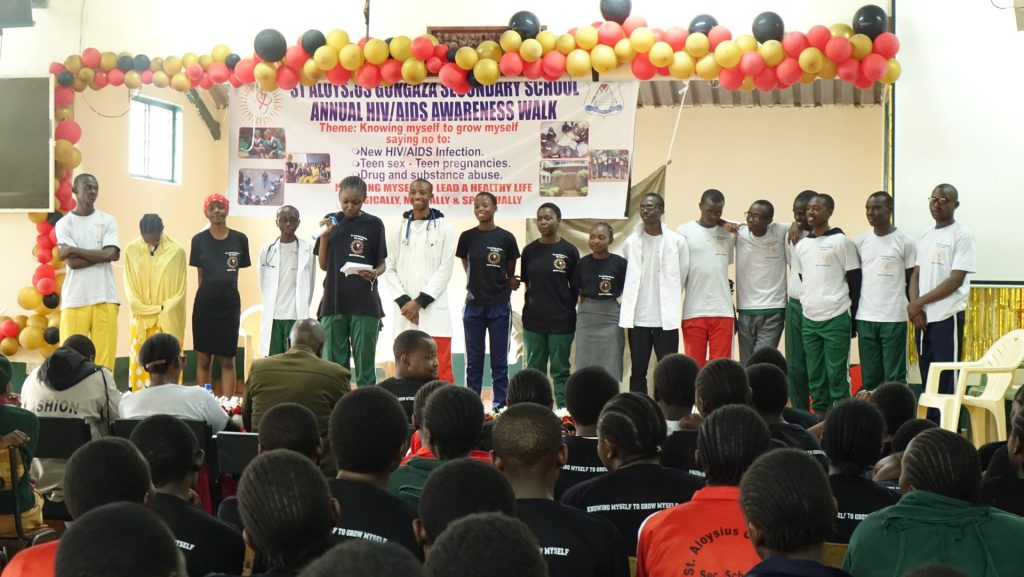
754	215
939	200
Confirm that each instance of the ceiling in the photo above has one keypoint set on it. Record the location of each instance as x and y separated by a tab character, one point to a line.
704	93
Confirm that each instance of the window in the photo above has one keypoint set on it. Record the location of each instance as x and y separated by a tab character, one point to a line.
154	140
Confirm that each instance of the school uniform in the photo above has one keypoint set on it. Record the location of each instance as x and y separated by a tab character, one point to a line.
582	464
797	437
405	389
856	497
574	543
760	288
600	340
286	274
1004	492
785	567
708	310
218	306
796	358
373	514
208	544
678	452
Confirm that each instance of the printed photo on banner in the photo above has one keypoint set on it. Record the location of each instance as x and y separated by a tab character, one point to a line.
564	178
307	168
459	36
260	187
261	143
609	165
569	139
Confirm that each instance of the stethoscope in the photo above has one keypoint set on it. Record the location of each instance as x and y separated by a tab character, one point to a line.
431	221
272	250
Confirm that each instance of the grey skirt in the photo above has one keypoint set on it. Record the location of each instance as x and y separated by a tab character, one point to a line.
599	339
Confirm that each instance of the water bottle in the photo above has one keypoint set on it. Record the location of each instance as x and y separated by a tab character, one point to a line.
209	388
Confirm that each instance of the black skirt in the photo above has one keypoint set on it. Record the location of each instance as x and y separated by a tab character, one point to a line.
215	326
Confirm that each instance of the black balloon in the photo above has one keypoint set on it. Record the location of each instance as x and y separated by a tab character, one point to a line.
768	26
51	301
870	20
53	217
312	40
140	63
616	10
472	81
125	63
65	78
525	23
232	60
270	45
451	53
703	23
52	334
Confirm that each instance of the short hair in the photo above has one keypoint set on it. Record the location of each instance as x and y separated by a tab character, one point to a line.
530	386
527	437
884	196
729	440
712	195
106	470
942	462
586	392
553	208
721	382
908	431
290	426
635	423
84	175
368	429
159	352
462	487
285	507
169	446
948	189
827	200
897	403
409	341
769	208
770	355
151	224
118	539
453	418
661	199
353	183
419	401
81	344
459	551
769	389
786	494
853	436
608	228
934	570
362	557
491	197
675	376
429	184
805	196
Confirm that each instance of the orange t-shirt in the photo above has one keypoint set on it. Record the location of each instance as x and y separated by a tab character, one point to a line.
424	453
705	536
35	561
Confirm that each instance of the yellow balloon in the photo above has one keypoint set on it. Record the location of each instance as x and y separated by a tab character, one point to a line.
861	46
624	51
811	60
828	70
47	349
73	63
325	58
265	74
160	79
351	57
311	71
892	72
808	78
578	63
748	84
29	298
53	322
9	347
400	46
414	71
566	43
661	54
376	51
489	49
586	37
86	74
108	61
188	59
603	59
337	39
707	67
486	71
56	262
466	58
38	217
172	65
62	150
30	338
79	85
530	51
433	39
156	64
642	39
841	29
205	61
547	40
20	320
747	43
181	83
64	113
132	79
36	321
220	52
728	54
682	65
697	45
772	52
510	41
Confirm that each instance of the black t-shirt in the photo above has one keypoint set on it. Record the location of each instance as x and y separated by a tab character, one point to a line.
797	437
1005	492
574	543
209	544
360	241
678	451
601	279
631	494
219	261
548	270
999	465
373	514
798	417
487	252
582	465
856	498
405	390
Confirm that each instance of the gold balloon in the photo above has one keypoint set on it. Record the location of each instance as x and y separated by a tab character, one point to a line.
661	54
53	322
728	54
861	46
64	113
547	40
79	85
466	58
36	321
624	51
266	76
156	64
510	41
489	49
30	338
811	60
56	262
160	79
400	46
828	70
9	347
188	59
220	53
351	57
132	79
772	52
748	84
337	39
46	349
325	58
312	71
108	61
38	217
808	78
414	71
682	65
486	71
841	29
603	59
707	67
20	320
376	51
748	43
892	72
642	39
180	82
86	74
62	150
566	43
578	63
29	298
697	45
73	63
205	61
172	65
586	37
530	51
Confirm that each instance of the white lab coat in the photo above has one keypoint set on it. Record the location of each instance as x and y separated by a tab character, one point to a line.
421	254
675	263
269	263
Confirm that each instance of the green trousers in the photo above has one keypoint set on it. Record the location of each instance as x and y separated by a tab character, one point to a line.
796	361
280	330
349	337
883	353
827	349
542	348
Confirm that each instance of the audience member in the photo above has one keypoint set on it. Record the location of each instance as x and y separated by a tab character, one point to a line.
415	364
898	405
886	471
998	462
769	395
419	403
675	391
729	440
586	392
773	356
360	557
458	489
490	543
18	428
1006	491
721	382
530	386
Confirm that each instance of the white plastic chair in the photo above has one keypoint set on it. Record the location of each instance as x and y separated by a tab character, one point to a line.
992	400
249	330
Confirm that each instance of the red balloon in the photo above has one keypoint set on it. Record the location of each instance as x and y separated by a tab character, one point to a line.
68	130
339	74
441	51
362	42
368	76
43	241
295	57
115	77
53	235
391	71
818	36
69	206
533	70
874	67
244	71
234	80
789	71
422	48
554	64
659	34
205	83
434	64
642	67
100	79
848	71
194	72
45	271
717	35
45	286
453	77
766	80
219	72
63	96
44	227
147	76
676	37
632	23
56	68
9	329
751	64
511	64
44	256
731	78
886	44
864	83
256	58
838	49
287	77
794	43
608	33
91	58
551	76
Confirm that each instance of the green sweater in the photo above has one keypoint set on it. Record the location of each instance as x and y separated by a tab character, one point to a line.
406	482
14	418
925	527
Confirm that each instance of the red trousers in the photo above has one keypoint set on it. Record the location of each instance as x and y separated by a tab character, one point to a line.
444	359
707	338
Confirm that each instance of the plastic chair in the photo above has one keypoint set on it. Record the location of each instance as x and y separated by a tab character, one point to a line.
992	400
14	471
59	438
998	365
832	554
249	329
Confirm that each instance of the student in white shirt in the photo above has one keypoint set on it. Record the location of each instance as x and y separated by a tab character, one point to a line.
657	262
708	311
761	258
887	258
287	272
796	373
939	285
830	272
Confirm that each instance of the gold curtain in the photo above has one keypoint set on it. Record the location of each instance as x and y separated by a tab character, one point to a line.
991	313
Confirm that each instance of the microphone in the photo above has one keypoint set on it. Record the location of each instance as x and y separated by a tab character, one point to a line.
320	231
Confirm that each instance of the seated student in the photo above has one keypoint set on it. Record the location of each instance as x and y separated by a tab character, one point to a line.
772	356
418	404
586	392
415	365
853	440
998	463
1006	492
452	421
141	546
789	509
528	449
172	451
887	470
630	432
675	391
526	386
769	394
470	548
938	519
18	428
721	382
161	356
368	432
728	442
898	405
360	557
103	471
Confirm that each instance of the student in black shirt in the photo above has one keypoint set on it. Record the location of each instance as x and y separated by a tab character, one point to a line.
586	392
774	357
489	255
898	405
769	395
549	313
721	382
888	469
1006	491
630	432
174	457
675	389
490	544
599	278
368	433
853	441
415	364
528	449
352	250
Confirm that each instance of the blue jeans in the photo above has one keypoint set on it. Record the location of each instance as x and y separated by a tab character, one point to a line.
496	322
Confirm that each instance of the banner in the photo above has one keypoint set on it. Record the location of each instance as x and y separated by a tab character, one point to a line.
567	142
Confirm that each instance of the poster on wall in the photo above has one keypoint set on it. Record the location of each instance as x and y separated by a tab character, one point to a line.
568	142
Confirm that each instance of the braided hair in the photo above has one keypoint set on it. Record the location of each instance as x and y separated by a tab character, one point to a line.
530	386
367	431
587	391
674	378
721	382
635	423
942	462
453	419
897	403
420	400
730	440
853	436
461	550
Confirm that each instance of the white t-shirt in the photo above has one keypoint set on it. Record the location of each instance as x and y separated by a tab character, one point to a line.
189	403
940	251
93	284
648	301
884	261
761	268
287	269
707	282
824	261
793	285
